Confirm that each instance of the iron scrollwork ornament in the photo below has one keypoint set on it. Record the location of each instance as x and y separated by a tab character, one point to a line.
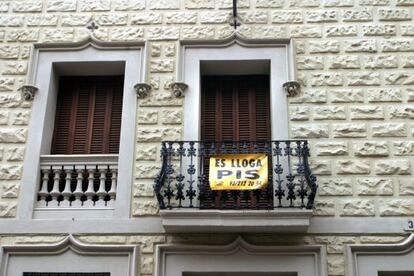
292	88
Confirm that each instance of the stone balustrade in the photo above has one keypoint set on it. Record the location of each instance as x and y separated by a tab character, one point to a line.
77	181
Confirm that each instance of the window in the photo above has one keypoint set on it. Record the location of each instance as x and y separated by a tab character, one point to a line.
88	115
64	176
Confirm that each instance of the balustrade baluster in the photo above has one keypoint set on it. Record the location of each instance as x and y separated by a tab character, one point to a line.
55	193
90	192
43	193
101	193
78	193
67	192
112	191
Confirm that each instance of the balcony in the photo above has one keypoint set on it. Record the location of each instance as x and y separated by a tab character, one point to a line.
188	204
79	185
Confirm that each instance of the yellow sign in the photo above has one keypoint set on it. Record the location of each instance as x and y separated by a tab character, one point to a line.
238	172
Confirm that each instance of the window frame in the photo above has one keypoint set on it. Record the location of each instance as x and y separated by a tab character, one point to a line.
42	75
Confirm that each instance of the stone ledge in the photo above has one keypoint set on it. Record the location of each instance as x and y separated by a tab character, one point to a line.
202	221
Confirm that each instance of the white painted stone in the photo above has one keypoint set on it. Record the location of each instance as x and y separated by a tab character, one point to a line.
396	207
343	62
162	66
23	35
384	61
95	5
329	113
346	95
353	167
305	31
155	50
396	45
366	112
75	19
9	51
341	30
15	68
197	32
269	3
57	35
380	239
402	148
304	3
331	148
129	5
337	3
181	18
147	242
147	116
357	207
384	95
394	14
271	32
144	207
406	78
9	135
9	190
8	209
389	130
61	5
379	30
309	63
163	33
11	20
321	167
357	15
363	79
169	50
385	167
349	130
10	172
253	17
371	148
15	154
146	18
324	207
146	152
112	19
228	4
171	117
199	4
326	79
27	6
143	189
374	2
407	29
321	16
401	112
365	45
103	239
299	113
310	131
42	20
374	186
335	187
288	16
323	46
407	61
127	34
164	5
406	186
215	17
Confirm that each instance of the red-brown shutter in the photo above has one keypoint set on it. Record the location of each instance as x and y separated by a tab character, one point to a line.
88	115
235	108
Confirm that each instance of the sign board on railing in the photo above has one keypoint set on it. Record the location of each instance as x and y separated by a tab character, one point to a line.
238	172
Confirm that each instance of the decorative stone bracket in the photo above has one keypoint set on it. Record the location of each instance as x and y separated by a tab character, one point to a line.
178	89
292	88
142	89
28	92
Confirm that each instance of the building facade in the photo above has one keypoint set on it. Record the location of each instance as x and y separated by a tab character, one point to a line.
110	111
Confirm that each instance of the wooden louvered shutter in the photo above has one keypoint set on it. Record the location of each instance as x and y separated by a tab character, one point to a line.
234	108
88	115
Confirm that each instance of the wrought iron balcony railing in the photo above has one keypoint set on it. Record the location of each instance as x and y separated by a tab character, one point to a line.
183	179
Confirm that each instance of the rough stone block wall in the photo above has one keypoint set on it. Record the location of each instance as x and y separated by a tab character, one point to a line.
354	59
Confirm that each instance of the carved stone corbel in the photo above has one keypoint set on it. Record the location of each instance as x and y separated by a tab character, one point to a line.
178	89
28	92
142	89
292	88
